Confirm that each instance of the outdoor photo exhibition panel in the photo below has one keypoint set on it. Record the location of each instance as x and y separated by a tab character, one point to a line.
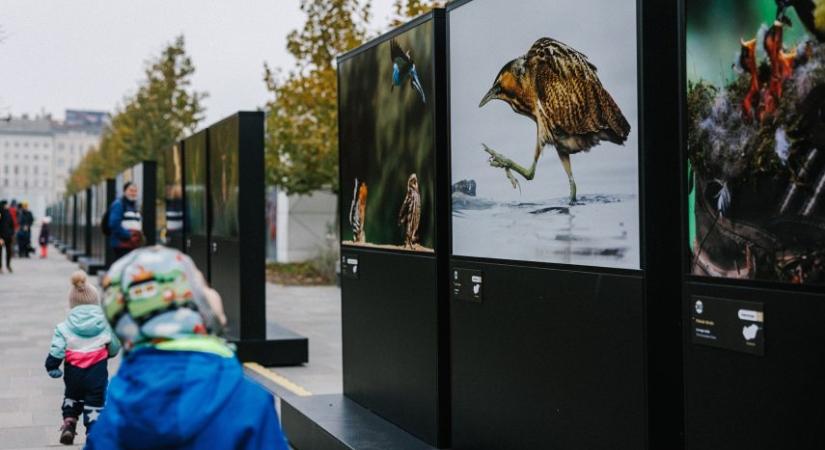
196	231
393	254
240	281
753	102
224	233
556	197
172	229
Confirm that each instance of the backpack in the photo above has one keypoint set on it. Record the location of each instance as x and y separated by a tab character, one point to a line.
104	222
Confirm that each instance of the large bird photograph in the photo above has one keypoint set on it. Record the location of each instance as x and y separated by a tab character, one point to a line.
544	129
387	143
756	139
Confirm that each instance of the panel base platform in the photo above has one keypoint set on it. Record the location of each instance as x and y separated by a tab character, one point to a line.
74	255
334	422
281	348
91	265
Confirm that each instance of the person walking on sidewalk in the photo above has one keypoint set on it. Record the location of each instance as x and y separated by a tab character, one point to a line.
85	341
179	385
43	238
124	222
6	235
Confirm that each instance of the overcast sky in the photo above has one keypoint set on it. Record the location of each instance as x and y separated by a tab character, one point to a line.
89	54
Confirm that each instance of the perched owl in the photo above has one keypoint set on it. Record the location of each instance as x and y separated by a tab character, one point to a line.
358	211
410	215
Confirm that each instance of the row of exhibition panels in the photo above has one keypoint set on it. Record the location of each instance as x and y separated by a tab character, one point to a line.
562	228
194	200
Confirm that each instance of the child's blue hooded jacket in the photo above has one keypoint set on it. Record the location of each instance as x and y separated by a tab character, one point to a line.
163	399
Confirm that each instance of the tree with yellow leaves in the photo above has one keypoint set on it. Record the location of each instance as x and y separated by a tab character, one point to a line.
163	110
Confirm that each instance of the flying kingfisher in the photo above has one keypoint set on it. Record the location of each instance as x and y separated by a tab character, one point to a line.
403	67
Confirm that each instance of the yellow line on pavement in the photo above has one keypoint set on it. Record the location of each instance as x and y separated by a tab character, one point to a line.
278	379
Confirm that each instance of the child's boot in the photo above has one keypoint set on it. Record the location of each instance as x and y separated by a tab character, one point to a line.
68	430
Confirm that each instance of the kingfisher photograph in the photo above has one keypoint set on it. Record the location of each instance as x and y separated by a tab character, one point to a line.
387	143
756	139
544	127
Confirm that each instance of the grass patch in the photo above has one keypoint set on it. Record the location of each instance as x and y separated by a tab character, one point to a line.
298	274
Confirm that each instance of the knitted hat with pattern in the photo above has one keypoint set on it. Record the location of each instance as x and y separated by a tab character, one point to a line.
82	293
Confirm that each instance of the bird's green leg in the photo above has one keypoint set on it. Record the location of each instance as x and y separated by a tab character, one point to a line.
565	162
499	160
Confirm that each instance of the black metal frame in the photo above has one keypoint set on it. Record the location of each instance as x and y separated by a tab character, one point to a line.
720	384
440	435
662	334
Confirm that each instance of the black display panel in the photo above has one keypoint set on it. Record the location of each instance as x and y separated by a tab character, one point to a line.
172	229
387	143
224	172
756	200
544	131
82	204
195	219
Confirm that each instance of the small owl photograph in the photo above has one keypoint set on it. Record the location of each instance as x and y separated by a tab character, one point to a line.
387	143
543	116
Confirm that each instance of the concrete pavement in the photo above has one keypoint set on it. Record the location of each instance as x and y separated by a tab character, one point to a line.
33	300
314	312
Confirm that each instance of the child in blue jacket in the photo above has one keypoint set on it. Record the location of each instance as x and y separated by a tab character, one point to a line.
83	343
179	385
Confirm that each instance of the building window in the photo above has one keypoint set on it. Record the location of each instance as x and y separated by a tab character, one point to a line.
16	170
26	144
35	170
16	144
36	145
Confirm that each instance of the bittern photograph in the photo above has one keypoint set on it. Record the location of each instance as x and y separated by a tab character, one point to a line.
756	137
544	131
387	144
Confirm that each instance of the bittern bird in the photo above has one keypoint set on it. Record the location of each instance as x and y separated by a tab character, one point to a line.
556	86
807	10
358	211
403	68
410	215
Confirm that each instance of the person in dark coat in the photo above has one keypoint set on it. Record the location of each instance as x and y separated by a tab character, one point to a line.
43	238
24	234
125	222
6	234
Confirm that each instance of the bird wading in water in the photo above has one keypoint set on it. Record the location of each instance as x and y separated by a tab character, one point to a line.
410	215
557	87
403	68
358	212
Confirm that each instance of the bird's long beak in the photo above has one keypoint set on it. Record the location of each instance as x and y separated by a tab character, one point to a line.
490	95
